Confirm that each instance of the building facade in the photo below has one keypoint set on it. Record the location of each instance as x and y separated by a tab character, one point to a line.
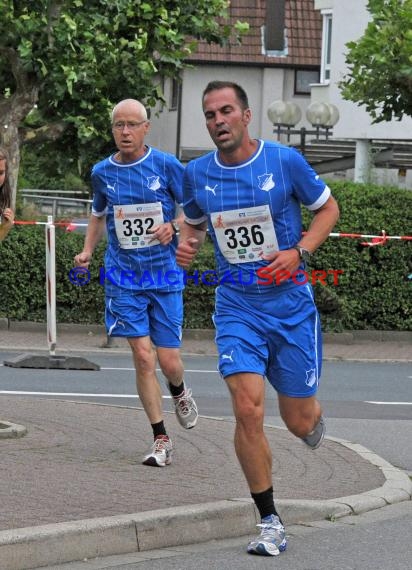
294	52
279	58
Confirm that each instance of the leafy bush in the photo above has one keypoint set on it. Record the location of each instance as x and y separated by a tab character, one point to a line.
198	297
373	292
23	280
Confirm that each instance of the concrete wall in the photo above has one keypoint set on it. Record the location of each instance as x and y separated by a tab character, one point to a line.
163	124
323	4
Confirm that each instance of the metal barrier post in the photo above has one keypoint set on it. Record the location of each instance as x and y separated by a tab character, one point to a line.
51	284
52	361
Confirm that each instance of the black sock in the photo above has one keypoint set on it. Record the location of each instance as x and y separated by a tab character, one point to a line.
158	429
265	504
176	390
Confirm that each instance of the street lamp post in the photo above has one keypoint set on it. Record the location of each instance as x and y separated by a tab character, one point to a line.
285	115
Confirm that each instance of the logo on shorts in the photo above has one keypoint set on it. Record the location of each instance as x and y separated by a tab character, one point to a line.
227	356
311	377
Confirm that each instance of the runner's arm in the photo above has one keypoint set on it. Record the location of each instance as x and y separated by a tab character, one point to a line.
322	224
191	239
95	232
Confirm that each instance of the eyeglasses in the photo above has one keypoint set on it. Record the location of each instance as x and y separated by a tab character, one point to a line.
131	125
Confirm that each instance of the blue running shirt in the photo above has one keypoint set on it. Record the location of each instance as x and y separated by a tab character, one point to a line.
135	197
251	208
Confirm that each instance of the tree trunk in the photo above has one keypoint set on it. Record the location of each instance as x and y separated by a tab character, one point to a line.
13	111
10	140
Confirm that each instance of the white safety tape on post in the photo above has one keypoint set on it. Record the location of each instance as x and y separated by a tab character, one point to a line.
51	284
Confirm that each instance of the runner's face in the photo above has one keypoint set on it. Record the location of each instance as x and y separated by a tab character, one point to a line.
226	121
129	130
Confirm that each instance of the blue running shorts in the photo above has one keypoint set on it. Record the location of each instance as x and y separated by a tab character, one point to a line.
277	337
149	313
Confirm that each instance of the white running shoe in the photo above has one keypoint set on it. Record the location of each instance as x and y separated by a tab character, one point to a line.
272	540
186	409
161	453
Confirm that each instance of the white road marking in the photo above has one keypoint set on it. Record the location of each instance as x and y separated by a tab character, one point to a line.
132	370
72	394
389	403
158	370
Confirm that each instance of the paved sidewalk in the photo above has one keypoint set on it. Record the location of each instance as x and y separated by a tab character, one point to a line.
356	345
74	487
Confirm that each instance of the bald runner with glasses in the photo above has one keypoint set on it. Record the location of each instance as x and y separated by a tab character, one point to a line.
135	194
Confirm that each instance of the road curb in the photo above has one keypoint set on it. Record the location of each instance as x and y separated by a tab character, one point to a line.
10	430
25	548
397	486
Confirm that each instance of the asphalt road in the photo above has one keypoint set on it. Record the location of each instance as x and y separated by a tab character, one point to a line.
366	402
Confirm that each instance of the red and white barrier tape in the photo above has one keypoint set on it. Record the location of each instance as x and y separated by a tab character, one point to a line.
381	239
375	240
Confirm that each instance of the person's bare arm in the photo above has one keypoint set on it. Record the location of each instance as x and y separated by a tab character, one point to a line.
190	240
6	223
95	232
322	224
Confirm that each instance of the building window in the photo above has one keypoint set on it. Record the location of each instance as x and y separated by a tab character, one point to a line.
174	95
303	80
326	47
275	26
273	32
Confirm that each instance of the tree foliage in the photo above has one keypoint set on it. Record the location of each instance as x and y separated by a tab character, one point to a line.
64	63
380	62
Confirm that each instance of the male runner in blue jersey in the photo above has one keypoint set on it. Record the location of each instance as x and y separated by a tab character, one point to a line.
249	193
136	191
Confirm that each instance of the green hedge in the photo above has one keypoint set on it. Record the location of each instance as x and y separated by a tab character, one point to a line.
23	281
373	292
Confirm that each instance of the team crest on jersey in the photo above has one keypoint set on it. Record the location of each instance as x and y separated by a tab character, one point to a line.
266	181
153	182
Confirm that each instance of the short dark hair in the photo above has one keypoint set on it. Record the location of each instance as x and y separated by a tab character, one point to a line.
239	91
5	190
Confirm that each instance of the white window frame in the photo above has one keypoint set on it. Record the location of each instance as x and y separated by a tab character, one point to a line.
325	68
273	53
